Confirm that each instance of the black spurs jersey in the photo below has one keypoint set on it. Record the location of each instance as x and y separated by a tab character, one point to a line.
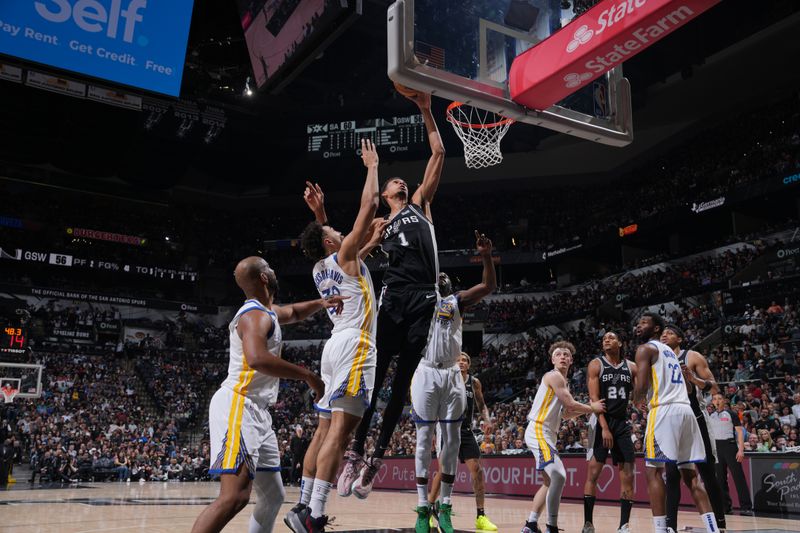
469	412
696	399
410	241
616	385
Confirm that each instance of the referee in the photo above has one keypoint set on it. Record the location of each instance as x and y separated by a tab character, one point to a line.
729	435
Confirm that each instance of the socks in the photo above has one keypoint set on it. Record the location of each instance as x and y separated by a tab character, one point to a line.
625	517
660	524
533	517
422	495
306	486
710	522
481	512
588	508
319	497
447	492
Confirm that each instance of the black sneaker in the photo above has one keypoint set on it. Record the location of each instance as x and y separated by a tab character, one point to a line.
315	525
296	518
531	527
747	512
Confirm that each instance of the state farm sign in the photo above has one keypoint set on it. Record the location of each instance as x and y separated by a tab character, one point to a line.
594	43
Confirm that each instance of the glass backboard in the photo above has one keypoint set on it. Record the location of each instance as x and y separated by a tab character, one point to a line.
462	50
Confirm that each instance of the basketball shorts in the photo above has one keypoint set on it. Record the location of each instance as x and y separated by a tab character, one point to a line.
437	394
673	436
405	318
241	433
622	450
542	443
348	370
469	448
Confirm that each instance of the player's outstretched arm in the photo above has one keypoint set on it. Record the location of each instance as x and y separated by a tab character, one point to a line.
699	374
488	284
315	200
558	383
299	311
348	253
477	389
253	328
644	362
433	171
374	238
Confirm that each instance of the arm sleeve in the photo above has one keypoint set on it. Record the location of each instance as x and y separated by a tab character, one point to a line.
734	418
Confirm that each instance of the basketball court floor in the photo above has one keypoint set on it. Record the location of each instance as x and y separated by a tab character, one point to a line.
173	507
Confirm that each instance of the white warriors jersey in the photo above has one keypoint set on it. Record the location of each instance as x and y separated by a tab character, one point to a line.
444	342
242	379
546	409
359	310
666	380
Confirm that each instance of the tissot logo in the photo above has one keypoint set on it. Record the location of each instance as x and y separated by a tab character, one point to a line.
92	16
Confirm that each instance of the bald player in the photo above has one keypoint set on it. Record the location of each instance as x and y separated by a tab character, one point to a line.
244	449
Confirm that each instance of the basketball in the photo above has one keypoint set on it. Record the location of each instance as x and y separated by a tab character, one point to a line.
408	92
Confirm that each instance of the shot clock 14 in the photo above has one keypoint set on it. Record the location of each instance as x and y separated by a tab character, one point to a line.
14	340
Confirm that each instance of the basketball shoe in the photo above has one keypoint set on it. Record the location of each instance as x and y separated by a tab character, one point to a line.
352	466
531	527
483	523
363	485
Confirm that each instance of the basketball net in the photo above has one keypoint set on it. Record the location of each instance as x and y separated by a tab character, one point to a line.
9	394
481	132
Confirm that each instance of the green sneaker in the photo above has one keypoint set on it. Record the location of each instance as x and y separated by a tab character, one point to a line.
423	517
445	523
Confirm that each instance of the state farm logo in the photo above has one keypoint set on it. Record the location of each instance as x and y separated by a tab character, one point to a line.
581	36
575	80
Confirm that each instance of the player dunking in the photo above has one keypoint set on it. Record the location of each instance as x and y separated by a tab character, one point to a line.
244	448
672	437
610	378
699	380
438	393
469	452
348	359
406	306
540	435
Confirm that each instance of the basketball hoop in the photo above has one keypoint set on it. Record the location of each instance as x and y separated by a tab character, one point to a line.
481	132
9	394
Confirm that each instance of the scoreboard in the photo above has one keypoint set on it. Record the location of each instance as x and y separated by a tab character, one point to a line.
335	140
14	340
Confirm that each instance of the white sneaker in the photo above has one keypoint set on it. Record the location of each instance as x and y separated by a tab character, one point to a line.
363	485
624	529
352	468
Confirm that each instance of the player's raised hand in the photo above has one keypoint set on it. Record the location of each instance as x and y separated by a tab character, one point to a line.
314	197
483	244
336	301
368	153
423	100
376	229
598	406
317	385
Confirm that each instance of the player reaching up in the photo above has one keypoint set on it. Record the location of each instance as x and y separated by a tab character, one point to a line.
438	393
348	359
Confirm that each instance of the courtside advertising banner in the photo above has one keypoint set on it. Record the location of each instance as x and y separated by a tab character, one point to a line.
517	476
610	33
140	43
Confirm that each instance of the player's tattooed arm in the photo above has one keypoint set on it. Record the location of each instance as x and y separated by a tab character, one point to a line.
697	372
477	389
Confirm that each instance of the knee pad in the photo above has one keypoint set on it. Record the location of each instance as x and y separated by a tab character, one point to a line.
422	457
449	443
269	498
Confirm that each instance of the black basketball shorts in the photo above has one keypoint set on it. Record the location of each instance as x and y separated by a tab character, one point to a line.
404	320
469	448
622	451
